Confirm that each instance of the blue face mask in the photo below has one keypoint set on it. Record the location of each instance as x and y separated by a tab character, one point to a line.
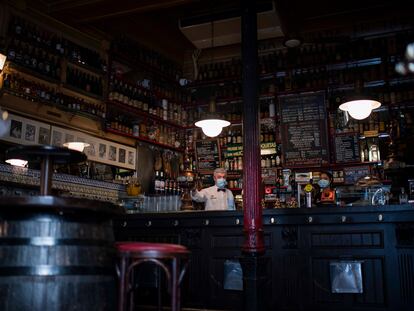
323	183
221	183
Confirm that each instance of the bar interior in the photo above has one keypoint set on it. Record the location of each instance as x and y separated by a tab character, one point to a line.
206	155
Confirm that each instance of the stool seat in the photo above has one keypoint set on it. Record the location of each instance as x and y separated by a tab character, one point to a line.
150	247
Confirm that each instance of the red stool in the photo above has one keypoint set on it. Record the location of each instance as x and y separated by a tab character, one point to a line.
171	258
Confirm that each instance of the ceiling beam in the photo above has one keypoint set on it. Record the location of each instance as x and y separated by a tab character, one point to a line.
142	6
63	5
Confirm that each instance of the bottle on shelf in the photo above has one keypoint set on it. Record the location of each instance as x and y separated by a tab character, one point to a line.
403	197
157	183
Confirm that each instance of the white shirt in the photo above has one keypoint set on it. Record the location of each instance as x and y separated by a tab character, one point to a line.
215	200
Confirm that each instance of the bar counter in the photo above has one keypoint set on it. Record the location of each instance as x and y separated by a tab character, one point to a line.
301	245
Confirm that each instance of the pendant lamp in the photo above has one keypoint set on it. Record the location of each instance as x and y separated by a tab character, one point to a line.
212	124
76	145
2	61
360	105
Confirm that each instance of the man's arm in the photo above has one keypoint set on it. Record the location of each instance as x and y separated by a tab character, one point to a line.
198	196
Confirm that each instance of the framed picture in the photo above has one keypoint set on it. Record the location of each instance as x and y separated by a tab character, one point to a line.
99	150
24	131
30	133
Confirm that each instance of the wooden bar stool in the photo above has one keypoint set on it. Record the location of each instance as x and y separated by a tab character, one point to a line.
171	258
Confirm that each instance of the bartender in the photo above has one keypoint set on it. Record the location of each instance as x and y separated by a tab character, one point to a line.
216	197
326	194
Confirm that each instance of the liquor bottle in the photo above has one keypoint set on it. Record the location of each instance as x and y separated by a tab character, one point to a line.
162	183
157	183
403	197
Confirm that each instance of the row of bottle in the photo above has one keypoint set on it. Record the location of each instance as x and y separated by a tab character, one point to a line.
35	37
84	81
233	164
235	183
41	93
165	186
267	161
310	55
38	92
34	58
270	161
144	100
139	54
148	130
171	92
84	56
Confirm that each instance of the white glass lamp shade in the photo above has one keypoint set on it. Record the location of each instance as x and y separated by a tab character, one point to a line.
212	127
2	61
17	162
75	145
360	109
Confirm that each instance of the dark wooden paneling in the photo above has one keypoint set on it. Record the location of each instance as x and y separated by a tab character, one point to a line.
299	254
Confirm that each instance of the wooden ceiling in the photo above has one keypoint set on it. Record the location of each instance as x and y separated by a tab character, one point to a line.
155	22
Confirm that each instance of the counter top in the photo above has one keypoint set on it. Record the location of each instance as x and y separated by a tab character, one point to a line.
318	215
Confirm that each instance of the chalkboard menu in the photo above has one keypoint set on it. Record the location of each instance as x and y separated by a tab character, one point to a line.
347	148
208	155
304	129
352	174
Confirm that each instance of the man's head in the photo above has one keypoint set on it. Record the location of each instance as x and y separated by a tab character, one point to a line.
220	177
220	173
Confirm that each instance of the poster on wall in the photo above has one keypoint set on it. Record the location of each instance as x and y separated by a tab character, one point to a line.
99	150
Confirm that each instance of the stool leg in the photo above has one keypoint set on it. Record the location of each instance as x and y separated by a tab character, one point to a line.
178	284
174	281
121	284
159	289
131	289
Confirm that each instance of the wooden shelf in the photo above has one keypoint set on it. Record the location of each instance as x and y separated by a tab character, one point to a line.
139	113
32	72
145	140
119	57
80	91
52	104
88	68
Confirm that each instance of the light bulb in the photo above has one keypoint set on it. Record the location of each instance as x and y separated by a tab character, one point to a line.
360	109
212	127
17	162
2	61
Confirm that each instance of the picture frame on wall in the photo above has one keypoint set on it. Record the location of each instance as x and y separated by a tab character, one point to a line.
25	131
99	150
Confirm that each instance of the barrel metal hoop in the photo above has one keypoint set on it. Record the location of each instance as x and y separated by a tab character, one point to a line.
50	241
50	270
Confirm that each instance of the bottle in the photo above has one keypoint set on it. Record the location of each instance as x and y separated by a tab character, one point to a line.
157	183
272	109
403	196
162	183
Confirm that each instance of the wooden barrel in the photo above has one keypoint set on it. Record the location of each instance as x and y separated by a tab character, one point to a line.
56	254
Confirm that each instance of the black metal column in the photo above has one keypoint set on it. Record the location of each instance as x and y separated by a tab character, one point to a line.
253	263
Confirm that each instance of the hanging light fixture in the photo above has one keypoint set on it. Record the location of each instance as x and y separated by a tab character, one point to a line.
76	145
360	105
212	124
17	162
2	61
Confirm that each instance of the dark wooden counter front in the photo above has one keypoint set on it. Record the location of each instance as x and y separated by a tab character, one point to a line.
300	245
